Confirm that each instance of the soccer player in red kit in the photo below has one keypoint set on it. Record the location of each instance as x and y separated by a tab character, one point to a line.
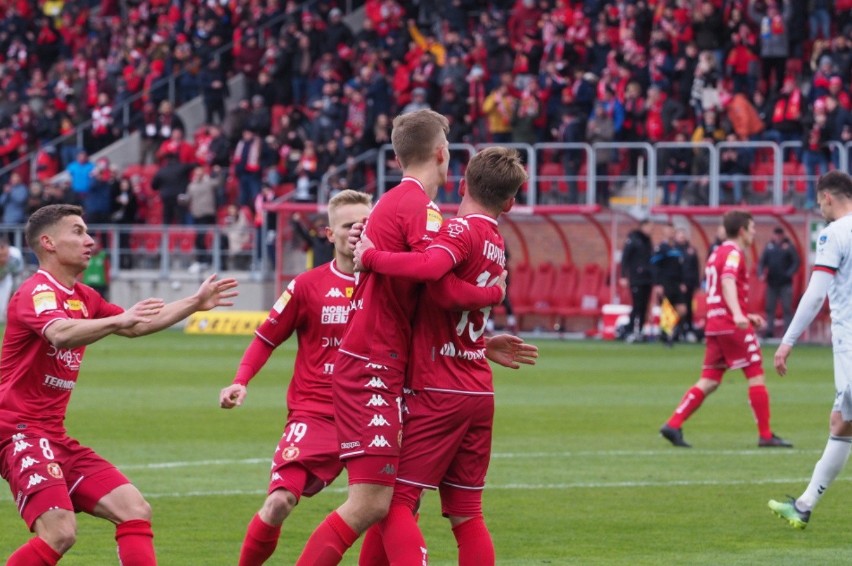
450	396
730	331
52	318
316	306
370	368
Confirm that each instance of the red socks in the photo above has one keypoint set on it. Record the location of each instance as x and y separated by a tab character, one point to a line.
35	552
758	398
373	549
135	543
688	405
475	545
330	540
400	529
259	543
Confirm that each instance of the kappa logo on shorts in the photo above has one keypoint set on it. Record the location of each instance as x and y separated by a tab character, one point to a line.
276	476
388	469
379	420
376	401
54	470
28	462
377	383
290	453
379	441
20	446
35	479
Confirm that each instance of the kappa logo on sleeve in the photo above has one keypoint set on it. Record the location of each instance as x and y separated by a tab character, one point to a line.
44	301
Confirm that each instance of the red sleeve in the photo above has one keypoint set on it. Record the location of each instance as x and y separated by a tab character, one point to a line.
454	294
430	265
254	358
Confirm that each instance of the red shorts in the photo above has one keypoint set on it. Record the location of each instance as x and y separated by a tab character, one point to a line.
46	472
309	442
367	408
737	350
447	440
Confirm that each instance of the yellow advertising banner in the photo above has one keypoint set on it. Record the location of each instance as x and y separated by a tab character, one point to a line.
242	323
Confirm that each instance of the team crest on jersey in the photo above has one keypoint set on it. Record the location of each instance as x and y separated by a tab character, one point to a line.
54	470
76	305
823	239
290	453
44	301
434	219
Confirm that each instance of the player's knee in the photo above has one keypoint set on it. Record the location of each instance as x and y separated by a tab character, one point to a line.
278	506
139	509
60	532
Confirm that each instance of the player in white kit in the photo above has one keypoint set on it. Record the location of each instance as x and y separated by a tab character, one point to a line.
832	274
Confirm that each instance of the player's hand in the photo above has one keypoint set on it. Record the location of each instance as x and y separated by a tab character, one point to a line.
214	293
355	234
501	282
741	321
232	396
361	247
510	351
781	355
757	320
144	311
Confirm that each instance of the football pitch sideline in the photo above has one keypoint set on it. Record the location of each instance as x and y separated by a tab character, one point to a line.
579	474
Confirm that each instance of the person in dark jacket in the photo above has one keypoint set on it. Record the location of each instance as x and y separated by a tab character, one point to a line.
636	273
667	267
691	279
778	265
171	181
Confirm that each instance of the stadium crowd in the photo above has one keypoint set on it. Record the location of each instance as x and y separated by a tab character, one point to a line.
321	91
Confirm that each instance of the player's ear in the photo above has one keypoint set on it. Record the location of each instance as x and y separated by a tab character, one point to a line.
509	204
329	233
462	187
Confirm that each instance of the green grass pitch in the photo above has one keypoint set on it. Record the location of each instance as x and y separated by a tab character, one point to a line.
579	473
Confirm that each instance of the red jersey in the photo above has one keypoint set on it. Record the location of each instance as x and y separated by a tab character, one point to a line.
379	330
726	261
448	346
316	306
36	378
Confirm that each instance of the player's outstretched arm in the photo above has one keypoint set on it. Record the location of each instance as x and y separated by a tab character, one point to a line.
212	293
254	358
510	351
73	333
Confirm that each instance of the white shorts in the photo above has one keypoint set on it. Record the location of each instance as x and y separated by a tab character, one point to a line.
843	384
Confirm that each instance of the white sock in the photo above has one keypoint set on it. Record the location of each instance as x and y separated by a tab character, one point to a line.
829	467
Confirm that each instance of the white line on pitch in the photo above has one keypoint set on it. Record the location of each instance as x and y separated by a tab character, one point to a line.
496	455
529	487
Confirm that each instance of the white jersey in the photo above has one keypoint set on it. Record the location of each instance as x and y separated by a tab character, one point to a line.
834	254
